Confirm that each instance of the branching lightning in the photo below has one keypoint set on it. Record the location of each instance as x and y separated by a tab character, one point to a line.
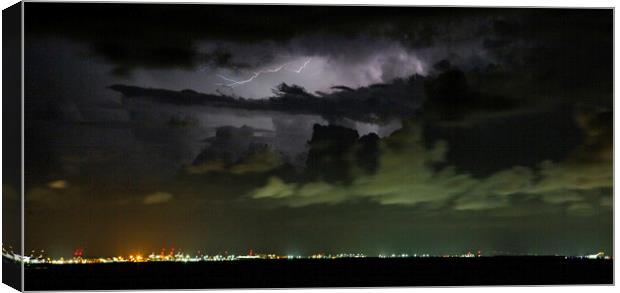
234	83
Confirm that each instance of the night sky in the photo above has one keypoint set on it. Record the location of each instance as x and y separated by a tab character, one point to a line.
296	130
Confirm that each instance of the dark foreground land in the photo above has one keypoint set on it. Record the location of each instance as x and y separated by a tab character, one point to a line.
367	272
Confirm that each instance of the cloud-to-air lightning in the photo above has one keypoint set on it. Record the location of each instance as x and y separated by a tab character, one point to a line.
234	83
302	66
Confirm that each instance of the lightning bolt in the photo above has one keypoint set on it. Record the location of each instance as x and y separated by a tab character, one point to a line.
302	66
234	83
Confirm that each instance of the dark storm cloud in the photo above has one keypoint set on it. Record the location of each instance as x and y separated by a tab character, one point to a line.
145	36
452	99
142	36
561	55
166	35
361	44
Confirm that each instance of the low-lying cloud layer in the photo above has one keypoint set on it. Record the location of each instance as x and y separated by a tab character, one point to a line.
407	175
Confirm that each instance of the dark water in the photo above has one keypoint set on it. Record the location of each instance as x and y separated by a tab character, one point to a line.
366	272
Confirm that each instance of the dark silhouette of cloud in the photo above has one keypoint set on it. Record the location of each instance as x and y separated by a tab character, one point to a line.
375	103
236	151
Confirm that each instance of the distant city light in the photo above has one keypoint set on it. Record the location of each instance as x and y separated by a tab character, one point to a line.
40	258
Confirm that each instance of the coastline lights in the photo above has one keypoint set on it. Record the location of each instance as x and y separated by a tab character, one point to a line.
180	257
